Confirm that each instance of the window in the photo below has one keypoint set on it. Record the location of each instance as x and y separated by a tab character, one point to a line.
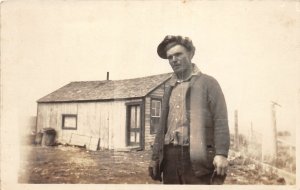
155	115
69	121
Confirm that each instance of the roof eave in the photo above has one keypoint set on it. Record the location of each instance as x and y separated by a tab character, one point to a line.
150	91
95	100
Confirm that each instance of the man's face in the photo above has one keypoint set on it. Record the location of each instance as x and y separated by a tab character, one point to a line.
179	59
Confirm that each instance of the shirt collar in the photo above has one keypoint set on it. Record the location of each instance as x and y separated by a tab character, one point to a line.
174	79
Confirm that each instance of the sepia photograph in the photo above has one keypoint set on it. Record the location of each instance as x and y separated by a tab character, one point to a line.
147	94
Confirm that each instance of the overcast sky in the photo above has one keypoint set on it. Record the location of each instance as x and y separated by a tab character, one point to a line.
250	47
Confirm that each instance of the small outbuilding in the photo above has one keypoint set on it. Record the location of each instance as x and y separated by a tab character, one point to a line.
109	114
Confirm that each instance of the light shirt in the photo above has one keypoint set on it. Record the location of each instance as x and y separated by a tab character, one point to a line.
178	124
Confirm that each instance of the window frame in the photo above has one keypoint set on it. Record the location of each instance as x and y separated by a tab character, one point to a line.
63	121
152	130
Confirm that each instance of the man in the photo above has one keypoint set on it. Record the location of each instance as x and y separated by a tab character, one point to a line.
191	145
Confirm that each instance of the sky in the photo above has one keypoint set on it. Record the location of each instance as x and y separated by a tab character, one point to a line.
250	47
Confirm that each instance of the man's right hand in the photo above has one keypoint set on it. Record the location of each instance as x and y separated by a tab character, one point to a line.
153	170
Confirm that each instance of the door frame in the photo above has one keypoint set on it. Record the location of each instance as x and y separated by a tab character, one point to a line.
142	122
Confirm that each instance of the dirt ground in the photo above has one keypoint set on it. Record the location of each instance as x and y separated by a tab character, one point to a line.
67	164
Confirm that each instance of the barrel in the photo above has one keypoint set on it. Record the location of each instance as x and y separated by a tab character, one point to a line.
49	137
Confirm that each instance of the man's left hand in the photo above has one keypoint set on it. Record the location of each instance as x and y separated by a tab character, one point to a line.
221	163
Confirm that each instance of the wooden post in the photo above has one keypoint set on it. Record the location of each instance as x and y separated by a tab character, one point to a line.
274	125
236	130
270	140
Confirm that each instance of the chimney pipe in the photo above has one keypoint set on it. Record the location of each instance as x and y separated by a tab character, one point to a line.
107	76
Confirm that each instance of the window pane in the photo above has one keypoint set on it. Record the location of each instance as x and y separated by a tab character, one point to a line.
153	103
133	117
132	137
158	107
137	137
154	123
155	108
153	111
70	122
154	120
138	117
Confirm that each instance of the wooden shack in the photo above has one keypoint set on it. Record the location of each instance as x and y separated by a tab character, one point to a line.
111	114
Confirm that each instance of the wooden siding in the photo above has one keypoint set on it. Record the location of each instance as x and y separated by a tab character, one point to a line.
157	93
104	120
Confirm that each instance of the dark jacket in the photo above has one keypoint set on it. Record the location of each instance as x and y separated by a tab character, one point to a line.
207	114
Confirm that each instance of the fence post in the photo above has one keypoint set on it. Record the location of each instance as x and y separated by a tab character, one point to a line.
274	125
270	149
236	130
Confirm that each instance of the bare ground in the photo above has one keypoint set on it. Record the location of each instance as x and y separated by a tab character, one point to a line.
67	164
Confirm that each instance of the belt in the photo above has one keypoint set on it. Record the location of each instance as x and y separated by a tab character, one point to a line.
178	149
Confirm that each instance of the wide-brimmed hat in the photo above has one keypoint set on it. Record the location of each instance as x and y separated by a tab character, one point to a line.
170	41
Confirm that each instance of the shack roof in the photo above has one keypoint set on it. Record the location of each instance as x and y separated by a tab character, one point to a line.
106	89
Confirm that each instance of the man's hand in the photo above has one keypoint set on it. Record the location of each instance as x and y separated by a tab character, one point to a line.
221	163
153	170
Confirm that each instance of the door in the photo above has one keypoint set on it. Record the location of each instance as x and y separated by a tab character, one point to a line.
134	125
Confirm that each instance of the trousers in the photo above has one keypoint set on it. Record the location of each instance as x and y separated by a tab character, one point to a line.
177	167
